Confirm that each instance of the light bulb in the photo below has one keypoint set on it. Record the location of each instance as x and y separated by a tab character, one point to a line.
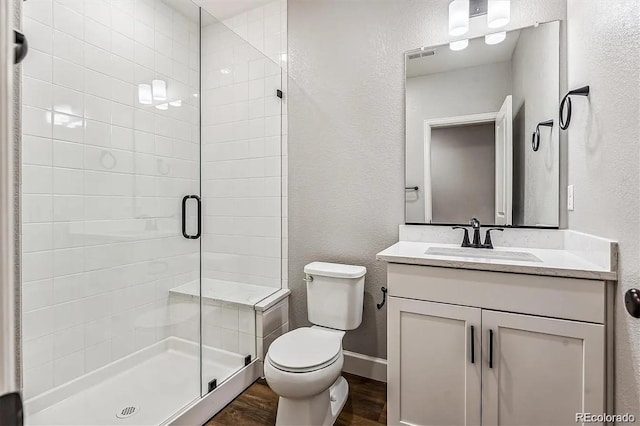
458	45
144	94
458	17
498	13
495	38
159	88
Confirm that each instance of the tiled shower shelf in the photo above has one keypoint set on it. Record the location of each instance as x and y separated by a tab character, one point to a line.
229	292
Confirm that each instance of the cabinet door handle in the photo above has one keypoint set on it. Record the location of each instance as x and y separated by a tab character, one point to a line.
490	348
473	345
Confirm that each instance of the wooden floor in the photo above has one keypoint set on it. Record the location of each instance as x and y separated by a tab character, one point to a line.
367	405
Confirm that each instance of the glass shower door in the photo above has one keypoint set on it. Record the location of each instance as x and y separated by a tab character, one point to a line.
110	148
241	187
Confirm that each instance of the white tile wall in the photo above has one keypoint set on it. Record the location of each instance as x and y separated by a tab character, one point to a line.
265	28
229	327
245	146
103	178
242	160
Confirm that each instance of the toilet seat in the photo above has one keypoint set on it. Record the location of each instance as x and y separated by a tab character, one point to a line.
305	349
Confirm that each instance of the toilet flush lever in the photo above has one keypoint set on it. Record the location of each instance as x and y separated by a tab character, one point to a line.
308	278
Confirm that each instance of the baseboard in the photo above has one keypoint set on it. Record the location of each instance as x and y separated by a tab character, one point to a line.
365	366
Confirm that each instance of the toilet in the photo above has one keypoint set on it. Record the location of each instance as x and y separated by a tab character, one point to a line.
303	366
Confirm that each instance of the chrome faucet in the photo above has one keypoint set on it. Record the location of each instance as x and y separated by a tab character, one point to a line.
475	225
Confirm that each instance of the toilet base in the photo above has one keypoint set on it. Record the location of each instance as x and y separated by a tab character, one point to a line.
322	409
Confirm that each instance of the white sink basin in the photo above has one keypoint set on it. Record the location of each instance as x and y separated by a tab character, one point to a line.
488	254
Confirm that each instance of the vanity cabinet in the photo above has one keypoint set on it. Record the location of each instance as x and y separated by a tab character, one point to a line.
542	370
433	378
463	352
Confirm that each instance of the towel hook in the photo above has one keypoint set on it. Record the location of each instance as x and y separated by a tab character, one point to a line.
384	298
565	121
535	138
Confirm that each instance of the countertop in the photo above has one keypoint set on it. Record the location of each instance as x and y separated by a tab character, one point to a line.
552	262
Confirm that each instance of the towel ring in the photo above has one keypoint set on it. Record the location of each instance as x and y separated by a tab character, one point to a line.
535	138
564	122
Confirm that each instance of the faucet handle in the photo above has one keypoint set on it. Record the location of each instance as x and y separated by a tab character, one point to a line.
465	239
487	237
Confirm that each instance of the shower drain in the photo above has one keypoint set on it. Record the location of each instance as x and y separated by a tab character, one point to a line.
127	412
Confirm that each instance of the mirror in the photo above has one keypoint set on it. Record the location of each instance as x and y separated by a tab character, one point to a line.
482	138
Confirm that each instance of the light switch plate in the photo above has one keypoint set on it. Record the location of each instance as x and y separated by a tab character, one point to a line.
570	198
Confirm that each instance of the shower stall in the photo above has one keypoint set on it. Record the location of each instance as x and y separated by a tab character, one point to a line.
151	208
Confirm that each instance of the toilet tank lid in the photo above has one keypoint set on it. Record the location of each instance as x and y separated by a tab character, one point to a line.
336	270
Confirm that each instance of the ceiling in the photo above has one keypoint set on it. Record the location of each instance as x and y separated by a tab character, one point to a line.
224	9
213	9
477	53
187	8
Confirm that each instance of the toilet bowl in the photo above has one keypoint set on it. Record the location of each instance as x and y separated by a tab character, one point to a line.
302	369
303	366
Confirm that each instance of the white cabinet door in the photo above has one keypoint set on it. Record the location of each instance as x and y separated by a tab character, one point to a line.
432	378
540	371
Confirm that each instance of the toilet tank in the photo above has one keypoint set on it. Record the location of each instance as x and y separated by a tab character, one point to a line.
335	294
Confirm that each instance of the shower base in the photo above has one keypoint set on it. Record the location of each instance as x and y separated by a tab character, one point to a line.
145	388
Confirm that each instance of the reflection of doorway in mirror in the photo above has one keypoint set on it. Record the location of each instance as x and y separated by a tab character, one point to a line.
481	182
504	163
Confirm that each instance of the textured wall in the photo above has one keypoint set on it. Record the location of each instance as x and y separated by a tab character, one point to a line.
17	162
604	160
346	134
536	86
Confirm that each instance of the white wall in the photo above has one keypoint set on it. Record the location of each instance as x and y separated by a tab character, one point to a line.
604	157
241	154
465	91
463	177
103	177
264	27
346	127
536	87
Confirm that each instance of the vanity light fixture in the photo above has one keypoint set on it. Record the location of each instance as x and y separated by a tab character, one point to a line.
498	13
460	11
144	94
159	90
458	45
458	17
495	38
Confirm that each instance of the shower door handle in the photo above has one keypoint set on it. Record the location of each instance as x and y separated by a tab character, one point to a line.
184	217
22	47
